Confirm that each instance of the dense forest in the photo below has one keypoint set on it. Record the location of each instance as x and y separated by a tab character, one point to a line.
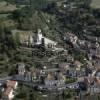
77	16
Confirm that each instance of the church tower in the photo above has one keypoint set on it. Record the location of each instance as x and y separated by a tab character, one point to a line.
39	37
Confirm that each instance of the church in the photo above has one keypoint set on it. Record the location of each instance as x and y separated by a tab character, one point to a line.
41	40
30	39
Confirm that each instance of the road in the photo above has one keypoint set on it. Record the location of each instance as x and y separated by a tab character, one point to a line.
34	83
45	87
59	88
5	78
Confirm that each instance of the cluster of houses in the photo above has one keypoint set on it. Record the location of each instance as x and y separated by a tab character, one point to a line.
92	49
56	76
92	82
50	75
91	78
40	74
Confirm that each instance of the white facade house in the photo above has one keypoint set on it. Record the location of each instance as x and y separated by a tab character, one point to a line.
21	68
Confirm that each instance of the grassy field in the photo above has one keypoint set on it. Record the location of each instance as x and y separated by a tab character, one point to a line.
5	7
5	12
95	4
10	7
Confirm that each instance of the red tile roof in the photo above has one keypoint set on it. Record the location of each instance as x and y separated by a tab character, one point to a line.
11	83
10	86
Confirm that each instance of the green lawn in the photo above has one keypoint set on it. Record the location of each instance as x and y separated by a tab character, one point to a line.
95	4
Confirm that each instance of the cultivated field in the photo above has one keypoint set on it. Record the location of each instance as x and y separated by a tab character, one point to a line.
95	4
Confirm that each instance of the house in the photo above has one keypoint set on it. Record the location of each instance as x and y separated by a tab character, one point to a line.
20	71
12	84
89	80
89	57
28	76
89	64
94	50
35	73
64	67
8	93
69	58
97	64
93	45
54	80
97	74
82	43
97	80
88	71
68	69
78	64
70	37
21	68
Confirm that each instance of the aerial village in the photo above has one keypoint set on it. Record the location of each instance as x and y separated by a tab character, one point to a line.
49	50
58	72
